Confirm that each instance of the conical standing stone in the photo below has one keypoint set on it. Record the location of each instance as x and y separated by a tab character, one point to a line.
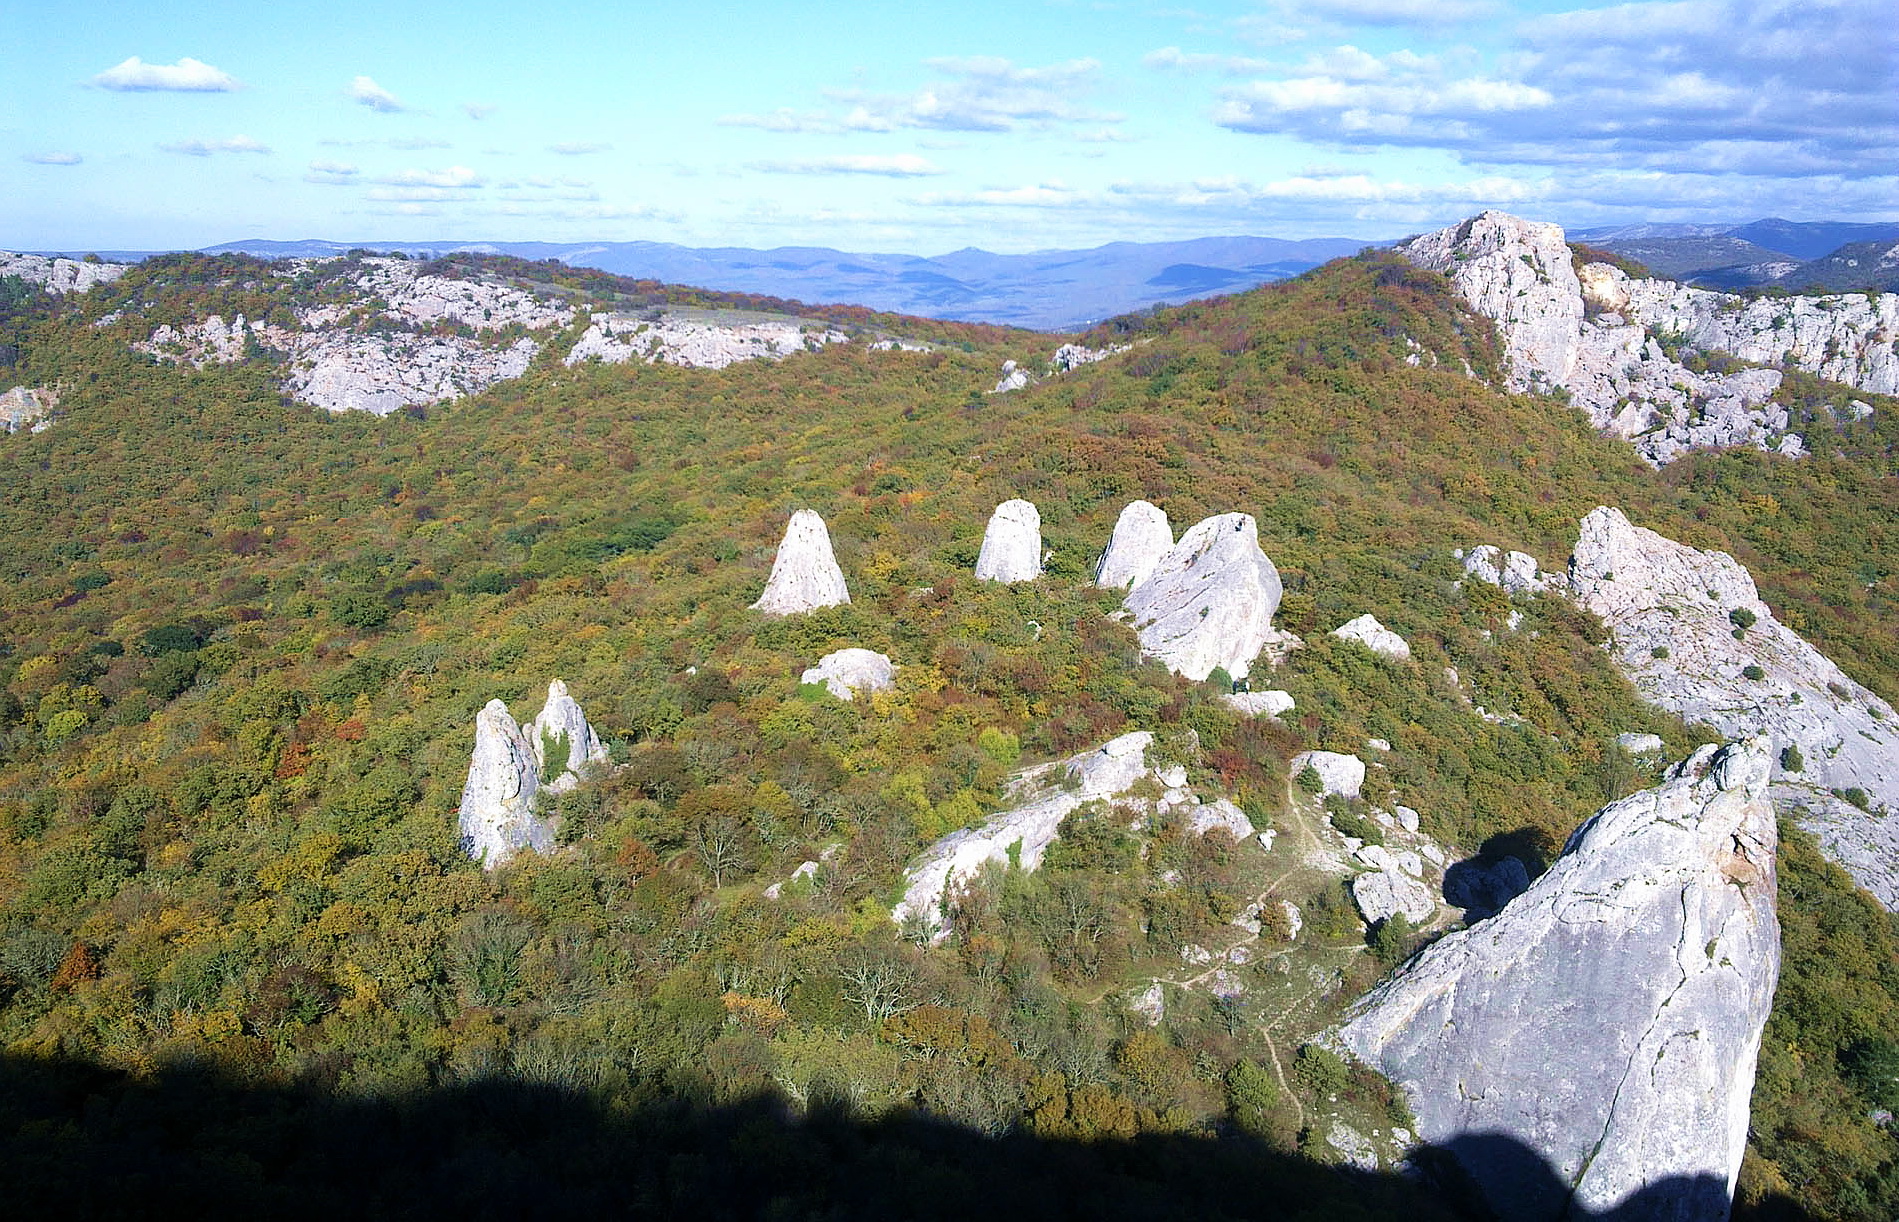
1012	545
1141	537
804	576
497	812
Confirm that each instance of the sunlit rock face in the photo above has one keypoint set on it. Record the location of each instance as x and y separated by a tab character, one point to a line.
1209	601
1596	1039
1141	537
561	720
1011	544
804	574
846	672
497	810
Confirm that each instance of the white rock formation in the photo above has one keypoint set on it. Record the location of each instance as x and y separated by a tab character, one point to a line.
561	717
1608	1019
1141	537
1393	884
342	371
1659	596
497	810
804	574
1012	544
27	407
849	671
1343	775
1013	378
1259	704
1639	744
1074	356
1367	631
59	276
1222	814
1610	357
700	339
1209	601
1515	572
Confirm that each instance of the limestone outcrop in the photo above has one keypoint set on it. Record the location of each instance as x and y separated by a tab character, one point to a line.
497	810
1074	356
1141	537
849	671
1209	601
1393	885
27	407
1044	796
804	574
1608	340
1367	631
59	276
561	722
1014	377
1514	572
1609	1017
1258	704
1343	775
700	339
1011	544
511	768
1691	633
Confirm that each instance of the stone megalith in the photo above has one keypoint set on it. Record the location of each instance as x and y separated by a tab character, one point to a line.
1606	1021
804	575
1141	537
497	811
849	671
1209	601
561	718
1012	544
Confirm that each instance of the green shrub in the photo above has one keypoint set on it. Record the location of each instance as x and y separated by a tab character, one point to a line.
1309	780
1660	651
1753	672
1791	759
1741	618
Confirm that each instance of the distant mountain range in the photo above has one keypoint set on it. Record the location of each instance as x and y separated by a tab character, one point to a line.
1049	290
1792	254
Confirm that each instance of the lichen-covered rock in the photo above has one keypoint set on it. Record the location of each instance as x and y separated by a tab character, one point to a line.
1209	601
497	809
1691	632
1141	537
849	671
1258	704
804	574
1024	832
1367	631
1343	775
60	276
1608	1019
1011	544
561	720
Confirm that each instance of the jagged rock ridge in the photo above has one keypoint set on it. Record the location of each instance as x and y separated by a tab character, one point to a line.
700	339
1689	625
59	276
1609	1017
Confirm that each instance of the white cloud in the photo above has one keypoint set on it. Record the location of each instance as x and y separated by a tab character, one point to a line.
367	92
186	76
435	194
974	94
477	110
54	158
457	177
333	173
1401	12
1051	194
204	148
578	148
411	144
894	165
1185	61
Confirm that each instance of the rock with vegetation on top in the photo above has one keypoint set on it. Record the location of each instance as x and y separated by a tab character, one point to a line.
1367	631
559	734
1141	537
60	276
1012	544
1013	377
1210	600
1693	636
497	811
849	671
1608	1019
1341	775
804	575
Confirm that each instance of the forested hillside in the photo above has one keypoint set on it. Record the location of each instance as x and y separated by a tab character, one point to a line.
243	642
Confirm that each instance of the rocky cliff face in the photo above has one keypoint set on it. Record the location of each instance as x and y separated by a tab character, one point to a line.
1210	600
804	574
562	721
1141	537
1692	634
701	339
1608	1018
1601	337
497	810
1011	544
59	276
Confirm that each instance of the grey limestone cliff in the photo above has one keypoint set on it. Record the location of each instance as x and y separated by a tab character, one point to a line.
1209	601
497	809
562	721
1607	1020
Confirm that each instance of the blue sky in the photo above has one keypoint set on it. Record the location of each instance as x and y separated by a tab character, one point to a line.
1013	127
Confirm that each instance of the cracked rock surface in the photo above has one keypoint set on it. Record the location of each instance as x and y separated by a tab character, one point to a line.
1209	601
804	573
1609	1017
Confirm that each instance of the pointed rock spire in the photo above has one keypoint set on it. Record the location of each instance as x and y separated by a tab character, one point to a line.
561	722
1142	536
804	576
497	811
1012	544
1209	601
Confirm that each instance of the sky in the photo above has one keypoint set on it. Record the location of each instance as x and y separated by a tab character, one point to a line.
1028	125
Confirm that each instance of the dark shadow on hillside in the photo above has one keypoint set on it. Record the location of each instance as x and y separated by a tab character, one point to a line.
78	1141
